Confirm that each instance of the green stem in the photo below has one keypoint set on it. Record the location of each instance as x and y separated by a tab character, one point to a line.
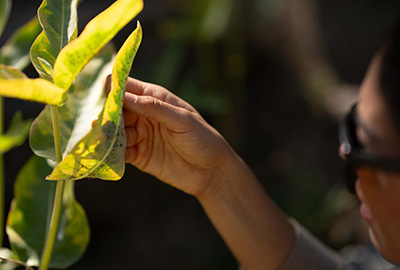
2	194
55	215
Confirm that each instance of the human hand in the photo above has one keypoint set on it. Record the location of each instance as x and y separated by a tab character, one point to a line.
168	138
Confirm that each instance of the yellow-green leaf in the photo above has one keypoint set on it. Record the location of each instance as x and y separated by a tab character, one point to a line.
14	84
38	90
79	111
43	56
100	153
96	34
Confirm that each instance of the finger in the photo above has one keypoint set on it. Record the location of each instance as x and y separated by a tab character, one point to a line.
130	118
131	136
141	88
173	117
130	155
138	87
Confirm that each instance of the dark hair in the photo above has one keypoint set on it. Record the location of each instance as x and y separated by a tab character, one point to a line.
390	74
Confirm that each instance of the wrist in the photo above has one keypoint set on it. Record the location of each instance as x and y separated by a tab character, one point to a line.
229	174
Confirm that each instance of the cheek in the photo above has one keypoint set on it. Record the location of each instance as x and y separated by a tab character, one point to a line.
382	194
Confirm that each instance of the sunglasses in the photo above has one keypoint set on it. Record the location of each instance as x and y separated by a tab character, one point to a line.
356	155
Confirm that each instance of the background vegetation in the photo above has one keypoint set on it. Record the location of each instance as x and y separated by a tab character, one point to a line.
273	77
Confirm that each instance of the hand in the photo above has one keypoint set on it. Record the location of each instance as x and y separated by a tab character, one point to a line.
167	138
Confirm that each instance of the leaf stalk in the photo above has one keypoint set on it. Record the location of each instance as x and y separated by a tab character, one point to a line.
55	215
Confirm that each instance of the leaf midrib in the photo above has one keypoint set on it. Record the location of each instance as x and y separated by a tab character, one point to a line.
62	25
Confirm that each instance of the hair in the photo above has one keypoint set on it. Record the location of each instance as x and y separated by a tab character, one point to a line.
390	74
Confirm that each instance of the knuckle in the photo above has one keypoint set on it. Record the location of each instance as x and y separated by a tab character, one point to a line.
188	118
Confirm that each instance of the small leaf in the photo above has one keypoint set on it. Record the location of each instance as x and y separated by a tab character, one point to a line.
96	34
16	133
15	51
28	219
100	153
59	21
43	56
9	73
14	84
5	8
79	111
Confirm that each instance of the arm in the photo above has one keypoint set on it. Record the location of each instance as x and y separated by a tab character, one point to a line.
168	138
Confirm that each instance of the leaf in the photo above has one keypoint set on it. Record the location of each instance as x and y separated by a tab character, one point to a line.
7	72
59	21
15	51
15	84
96	34
16	133
29	217
79	111
43	57
5	8
100	153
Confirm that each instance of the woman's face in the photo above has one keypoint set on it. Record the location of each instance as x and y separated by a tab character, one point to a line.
379	190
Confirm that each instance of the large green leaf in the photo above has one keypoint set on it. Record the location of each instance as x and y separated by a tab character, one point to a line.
16	133
5	8
100	154
80	110
15	51
15	84
59	21
96	34
28	219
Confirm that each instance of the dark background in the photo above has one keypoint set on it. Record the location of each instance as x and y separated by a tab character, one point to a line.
269	81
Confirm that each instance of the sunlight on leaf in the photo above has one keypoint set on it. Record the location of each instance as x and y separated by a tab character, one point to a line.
16	133
37	90
79	111
96	34
15	51
100	153
28	218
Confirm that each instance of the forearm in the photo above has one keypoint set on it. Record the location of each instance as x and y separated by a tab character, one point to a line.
256	231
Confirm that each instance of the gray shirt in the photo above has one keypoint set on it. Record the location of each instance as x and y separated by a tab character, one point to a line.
308	253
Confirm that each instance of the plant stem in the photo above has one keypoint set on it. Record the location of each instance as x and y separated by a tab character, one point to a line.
55	215
2	193
56	132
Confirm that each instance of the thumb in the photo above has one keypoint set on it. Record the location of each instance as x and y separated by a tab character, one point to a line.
175	118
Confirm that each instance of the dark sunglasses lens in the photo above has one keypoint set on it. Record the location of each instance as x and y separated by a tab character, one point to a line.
351	178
